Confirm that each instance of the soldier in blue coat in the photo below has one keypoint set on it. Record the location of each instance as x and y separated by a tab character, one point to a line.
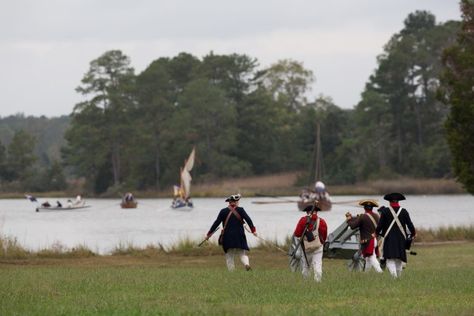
232	238
393	224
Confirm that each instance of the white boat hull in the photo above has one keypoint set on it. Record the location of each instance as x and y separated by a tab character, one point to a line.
55	208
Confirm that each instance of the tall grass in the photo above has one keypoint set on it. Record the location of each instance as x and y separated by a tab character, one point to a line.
449	233
11	249
58	250
128	249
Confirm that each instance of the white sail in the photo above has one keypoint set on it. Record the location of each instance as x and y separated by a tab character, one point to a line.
190	161
186	176
186	182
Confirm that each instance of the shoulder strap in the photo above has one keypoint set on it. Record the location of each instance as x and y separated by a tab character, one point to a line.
316	227
395	217
234	211
372	219
391	224
227	220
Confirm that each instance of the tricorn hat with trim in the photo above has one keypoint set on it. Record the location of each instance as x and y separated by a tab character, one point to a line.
233	197
371	203
394	197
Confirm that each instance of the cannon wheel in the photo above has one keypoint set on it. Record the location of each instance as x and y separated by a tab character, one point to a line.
357	263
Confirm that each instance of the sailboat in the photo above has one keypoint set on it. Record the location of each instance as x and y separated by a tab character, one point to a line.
319	192
182	193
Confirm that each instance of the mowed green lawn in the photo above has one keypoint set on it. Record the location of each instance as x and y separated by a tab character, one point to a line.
438	281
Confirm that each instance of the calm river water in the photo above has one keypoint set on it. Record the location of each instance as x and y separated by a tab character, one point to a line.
105	225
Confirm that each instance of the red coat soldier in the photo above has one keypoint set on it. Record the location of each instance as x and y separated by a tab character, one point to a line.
312	231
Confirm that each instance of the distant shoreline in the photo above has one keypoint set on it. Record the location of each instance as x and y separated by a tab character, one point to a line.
283	184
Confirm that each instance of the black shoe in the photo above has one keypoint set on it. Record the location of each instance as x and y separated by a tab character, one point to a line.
248	268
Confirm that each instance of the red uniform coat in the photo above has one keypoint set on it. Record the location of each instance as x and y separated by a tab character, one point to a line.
322	230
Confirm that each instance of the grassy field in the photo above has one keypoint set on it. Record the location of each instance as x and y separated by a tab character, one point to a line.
438	281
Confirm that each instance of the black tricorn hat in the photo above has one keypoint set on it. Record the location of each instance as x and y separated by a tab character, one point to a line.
371	203
233	197
310	208
394	197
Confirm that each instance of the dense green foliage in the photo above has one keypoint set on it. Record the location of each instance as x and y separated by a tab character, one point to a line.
458	91
189	285
30	153
133	131
400	119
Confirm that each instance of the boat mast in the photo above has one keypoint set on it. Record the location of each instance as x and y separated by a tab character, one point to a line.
315	171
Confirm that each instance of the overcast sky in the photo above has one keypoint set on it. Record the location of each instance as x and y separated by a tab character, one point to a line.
46	45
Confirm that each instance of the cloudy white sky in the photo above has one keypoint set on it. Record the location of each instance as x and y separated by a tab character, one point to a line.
46	45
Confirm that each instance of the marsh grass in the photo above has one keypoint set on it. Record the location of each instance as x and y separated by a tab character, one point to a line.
57	250
11	249
438	281
131	250
449	233
282	184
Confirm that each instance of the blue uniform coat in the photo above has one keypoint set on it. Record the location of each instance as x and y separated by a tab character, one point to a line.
234	234
394	243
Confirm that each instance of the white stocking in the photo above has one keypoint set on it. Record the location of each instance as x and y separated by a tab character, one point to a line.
229	259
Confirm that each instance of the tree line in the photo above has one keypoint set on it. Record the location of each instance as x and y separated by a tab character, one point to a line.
134	130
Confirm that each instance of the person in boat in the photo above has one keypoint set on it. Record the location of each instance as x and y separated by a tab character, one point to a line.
366	223
310	233
188	201
129	197
305	195
58	204
46	204
69	203
232	238
178	200
392	226
79	200
319	193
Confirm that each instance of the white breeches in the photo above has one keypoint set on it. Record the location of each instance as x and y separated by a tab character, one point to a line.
315	260
371	261
395	267
230	254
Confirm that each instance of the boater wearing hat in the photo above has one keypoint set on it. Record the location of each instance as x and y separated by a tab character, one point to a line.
232	237
367	223
312	226
393	225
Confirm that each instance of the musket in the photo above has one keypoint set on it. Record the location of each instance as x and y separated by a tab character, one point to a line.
207	238
300	243
304	232
302	236
265	241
